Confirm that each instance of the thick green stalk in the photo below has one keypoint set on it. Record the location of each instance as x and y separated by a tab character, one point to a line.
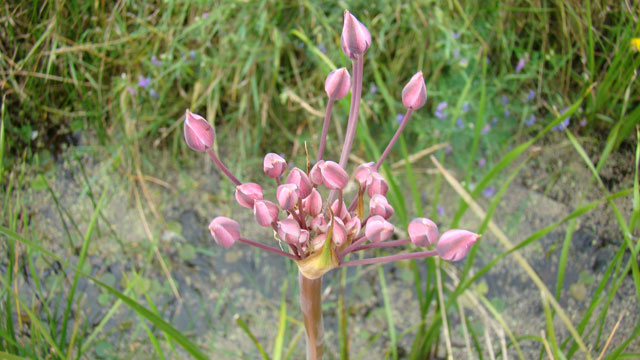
311	307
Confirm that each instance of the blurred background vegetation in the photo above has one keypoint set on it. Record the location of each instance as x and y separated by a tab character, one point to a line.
110	80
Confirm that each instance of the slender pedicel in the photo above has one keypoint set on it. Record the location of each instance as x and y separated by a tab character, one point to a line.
325	129
352	123
269	248
355	244
386	152
223	168
386	259
383	244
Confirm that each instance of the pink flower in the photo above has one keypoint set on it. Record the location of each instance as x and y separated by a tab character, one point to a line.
377	185
287	195
355	39
455	244
414	94
300	178
378	229
312	205
363	173
333	175
289	231
247	193
339	232
274	165
315	175
343	210
337	84
378	205
423	231
225	231
265	212
198	133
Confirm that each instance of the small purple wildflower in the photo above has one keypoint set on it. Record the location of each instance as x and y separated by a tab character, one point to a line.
488	60
456	35
465	106
521	63
192	53
494	121
440	114
489	191
399	118
583	122
322	48
131	90
459	123
506	113
531	95
144	82
153	93
464	62
504	100
440	209
456	53
373	90
482	162
448	149
565	123
486	129
155	61
531	120
205	15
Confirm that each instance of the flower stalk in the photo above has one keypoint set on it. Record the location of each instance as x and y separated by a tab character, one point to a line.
311	307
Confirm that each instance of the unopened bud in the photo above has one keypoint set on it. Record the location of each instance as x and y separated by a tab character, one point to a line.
355	38
337	84
247	193
274	165
225	231
454	245
423	231
198	133
414	94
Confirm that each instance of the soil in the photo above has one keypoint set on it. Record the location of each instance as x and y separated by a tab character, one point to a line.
216	284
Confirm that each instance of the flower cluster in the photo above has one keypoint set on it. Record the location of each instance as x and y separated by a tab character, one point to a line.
309	213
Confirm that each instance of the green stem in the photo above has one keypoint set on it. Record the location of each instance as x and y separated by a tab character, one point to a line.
311	307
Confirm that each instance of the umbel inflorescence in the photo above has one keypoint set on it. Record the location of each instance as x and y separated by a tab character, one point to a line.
310	216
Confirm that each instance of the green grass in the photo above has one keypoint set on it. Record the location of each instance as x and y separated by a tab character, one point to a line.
70	71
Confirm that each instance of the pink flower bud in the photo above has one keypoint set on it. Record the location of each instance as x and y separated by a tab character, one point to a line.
353	226
423	231
455	244
287	195
339	232
343	209
318	242
312	205
315	175
363	173
378	229
247	193
274	165
198	133
265	212
304	237
333	175
378	205
414	94
300	178
355	37
337	84
377	185
289	231
225	231
319	224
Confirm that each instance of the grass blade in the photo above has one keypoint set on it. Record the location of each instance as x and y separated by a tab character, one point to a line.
247	331
388	312
282	327
160	323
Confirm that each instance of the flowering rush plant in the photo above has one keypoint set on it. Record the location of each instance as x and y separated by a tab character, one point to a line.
310	216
